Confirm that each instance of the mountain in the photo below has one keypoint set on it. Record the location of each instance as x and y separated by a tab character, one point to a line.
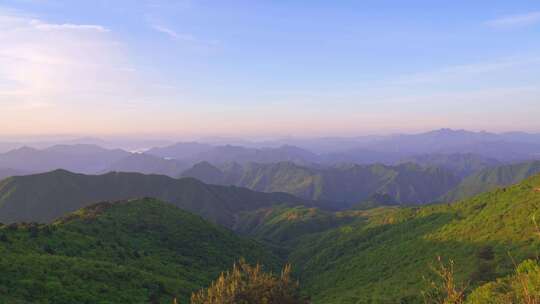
44	197
363	156
148	164
238	154
492	178
77	158
196	152
138	251
374	201
283	224
383	255
345	184
182	150
208	173
506	147
461	164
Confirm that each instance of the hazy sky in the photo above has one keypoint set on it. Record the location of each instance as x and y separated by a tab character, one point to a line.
268	67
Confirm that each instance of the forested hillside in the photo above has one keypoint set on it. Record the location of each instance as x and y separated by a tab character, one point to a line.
382	255
491	178
140	251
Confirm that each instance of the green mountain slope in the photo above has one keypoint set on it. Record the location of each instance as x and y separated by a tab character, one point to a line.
490	179
127	252
345	185
461	164
283	225
383	254
44	197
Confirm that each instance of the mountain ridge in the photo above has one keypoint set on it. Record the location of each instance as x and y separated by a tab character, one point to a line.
346	184
44	197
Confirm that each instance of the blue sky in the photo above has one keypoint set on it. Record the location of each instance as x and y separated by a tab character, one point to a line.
268	67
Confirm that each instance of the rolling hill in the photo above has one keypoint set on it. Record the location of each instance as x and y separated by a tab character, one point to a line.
492	178
139	251
44	197
344	184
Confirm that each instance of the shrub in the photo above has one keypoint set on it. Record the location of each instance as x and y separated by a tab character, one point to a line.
246	284
444	289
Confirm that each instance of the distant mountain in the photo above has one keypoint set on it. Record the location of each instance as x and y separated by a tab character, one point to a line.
7	172
521	137
44	197
505	147
461	164
432	141
324	145
77	158
183	150
138	251
209	174
492	178
196	152
362	156
228	154
8	146
346	184
148	164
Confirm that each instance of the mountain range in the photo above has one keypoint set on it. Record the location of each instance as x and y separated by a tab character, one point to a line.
345	185
461	164
462	152
148	164
47	196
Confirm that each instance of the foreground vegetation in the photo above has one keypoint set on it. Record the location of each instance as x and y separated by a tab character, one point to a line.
246	284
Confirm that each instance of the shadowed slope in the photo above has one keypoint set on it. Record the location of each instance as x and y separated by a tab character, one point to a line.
44	197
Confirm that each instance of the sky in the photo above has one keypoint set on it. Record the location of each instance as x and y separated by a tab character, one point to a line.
283	68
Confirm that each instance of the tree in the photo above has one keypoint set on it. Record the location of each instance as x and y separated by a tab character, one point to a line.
246	284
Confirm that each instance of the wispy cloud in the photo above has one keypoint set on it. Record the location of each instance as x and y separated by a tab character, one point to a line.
180	36
67	26
514	21
172	34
